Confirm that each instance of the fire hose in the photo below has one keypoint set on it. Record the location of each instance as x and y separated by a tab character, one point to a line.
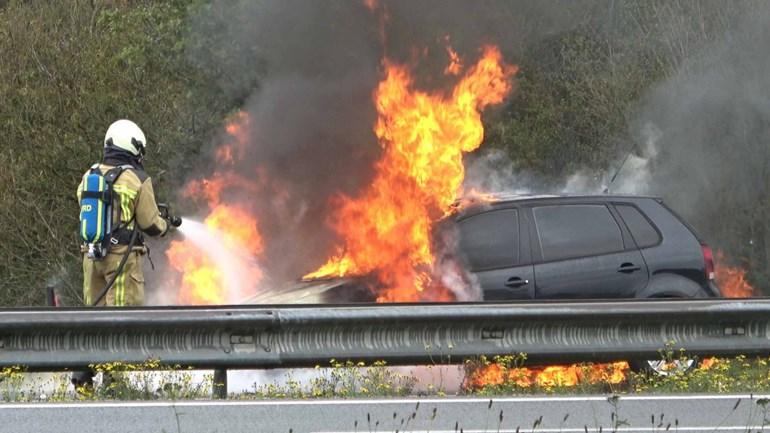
165	213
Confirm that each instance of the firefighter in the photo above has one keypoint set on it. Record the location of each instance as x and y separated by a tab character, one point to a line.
133	207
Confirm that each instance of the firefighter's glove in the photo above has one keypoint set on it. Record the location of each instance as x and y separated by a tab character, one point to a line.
164	210
165	213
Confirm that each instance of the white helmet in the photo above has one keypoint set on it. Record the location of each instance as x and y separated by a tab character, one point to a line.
124	134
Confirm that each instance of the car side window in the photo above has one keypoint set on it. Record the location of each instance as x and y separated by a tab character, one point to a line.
642	230
570	231
490	240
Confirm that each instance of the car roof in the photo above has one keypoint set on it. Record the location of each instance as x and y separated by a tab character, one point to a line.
478	202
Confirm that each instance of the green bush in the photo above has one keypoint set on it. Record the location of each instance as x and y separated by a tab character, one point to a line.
78	66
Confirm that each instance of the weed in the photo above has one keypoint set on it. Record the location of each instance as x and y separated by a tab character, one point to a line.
484	377
11	379
150	380
346	379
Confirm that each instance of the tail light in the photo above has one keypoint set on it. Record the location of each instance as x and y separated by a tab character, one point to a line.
708	259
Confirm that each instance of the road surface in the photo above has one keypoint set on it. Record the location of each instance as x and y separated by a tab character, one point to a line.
702	413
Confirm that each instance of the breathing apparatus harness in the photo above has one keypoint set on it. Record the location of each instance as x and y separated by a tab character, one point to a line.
96	204
96	214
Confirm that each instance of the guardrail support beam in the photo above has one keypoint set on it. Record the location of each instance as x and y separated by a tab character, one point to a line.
230	337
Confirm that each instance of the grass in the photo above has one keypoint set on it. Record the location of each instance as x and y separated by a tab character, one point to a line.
342	380
499	376
719	375
150	380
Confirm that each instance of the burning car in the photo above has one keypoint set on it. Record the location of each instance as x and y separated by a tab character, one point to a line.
562	247
555	247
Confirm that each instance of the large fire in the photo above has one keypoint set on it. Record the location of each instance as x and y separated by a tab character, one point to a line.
732	280
548	377
386	230
203	281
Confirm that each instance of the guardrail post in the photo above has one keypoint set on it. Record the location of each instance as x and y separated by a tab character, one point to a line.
219	385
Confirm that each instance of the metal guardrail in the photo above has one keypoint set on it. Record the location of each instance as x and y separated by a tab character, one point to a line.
289	336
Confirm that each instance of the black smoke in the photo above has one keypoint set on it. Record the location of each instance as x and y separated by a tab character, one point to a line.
306	71
713	115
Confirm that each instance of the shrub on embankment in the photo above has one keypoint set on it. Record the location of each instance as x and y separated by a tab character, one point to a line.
69	68
585	91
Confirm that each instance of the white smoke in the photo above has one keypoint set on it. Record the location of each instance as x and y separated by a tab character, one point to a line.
632	174
635	176
493	172
230	263
463	284
584	182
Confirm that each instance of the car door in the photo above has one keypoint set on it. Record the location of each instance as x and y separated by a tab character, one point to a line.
582	252
490	244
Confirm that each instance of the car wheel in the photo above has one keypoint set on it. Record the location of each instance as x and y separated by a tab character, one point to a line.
661	367
664	367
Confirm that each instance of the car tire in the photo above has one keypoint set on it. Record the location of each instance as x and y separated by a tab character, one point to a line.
659	367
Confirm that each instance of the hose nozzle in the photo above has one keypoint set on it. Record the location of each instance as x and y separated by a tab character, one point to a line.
175	220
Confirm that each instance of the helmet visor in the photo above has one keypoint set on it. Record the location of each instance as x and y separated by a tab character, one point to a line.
138	145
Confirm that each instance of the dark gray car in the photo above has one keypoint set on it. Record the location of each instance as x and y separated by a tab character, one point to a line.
583	247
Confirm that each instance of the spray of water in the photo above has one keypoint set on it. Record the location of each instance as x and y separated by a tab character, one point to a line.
228	261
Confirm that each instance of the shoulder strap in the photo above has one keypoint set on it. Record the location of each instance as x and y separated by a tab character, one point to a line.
139	172
114	173
103	195
110	178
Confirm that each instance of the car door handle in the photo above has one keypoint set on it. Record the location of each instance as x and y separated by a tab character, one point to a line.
627	268
515	282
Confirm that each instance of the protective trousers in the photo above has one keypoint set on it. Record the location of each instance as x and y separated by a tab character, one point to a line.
128	289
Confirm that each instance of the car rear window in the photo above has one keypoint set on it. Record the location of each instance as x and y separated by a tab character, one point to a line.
642	230
491	239
569	231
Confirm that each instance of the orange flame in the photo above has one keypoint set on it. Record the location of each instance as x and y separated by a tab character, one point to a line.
548	377
732	280
202	280
234	149
708	363
386	231
455	65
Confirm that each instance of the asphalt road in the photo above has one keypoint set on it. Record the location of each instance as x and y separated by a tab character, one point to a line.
737	413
